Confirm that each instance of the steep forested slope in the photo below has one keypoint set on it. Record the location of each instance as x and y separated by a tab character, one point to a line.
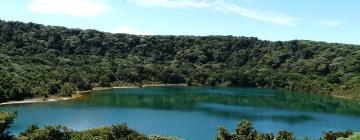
37	60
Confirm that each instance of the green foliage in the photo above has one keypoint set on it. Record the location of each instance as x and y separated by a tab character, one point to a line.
37	60
160	137
334	135
223	134
46	133
115	132
6	119
244	131
67	89
356	136
285	135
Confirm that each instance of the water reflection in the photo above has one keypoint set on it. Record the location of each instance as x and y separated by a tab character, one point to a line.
189	99
256	114
189	111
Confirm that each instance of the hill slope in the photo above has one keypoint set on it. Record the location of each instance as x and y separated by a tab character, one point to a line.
37	60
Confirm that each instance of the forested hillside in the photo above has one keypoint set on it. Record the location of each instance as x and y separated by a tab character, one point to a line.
37	60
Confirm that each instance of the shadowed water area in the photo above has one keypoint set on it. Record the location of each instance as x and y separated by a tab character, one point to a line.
195	112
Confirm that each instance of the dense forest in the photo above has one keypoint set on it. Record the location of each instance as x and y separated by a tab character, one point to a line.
38	60
243	131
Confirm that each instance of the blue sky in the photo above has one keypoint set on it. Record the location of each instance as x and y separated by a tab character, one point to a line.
320	20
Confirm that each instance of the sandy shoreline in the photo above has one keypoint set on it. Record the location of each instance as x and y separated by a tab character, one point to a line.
344	97
43	100
82	93
78	94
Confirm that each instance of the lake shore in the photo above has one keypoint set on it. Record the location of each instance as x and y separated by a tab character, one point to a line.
345	97
80	94
85	92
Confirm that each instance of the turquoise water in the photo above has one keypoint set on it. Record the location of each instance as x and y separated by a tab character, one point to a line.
194	112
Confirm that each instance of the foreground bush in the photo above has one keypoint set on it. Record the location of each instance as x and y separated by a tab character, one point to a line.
245	131
340	134
115	132
6	119
356	136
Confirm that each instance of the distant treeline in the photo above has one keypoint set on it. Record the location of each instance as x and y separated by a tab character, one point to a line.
243	131
38	60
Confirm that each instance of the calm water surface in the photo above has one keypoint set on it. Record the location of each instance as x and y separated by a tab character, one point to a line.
194	113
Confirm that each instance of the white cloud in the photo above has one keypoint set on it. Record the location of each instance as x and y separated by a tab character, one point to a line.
249	1
272	17
128	30
75	8
172	3
221	5
332	23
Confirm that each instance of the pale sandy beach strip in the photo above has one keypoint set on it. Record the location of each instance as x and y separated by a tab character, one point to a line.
79	94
